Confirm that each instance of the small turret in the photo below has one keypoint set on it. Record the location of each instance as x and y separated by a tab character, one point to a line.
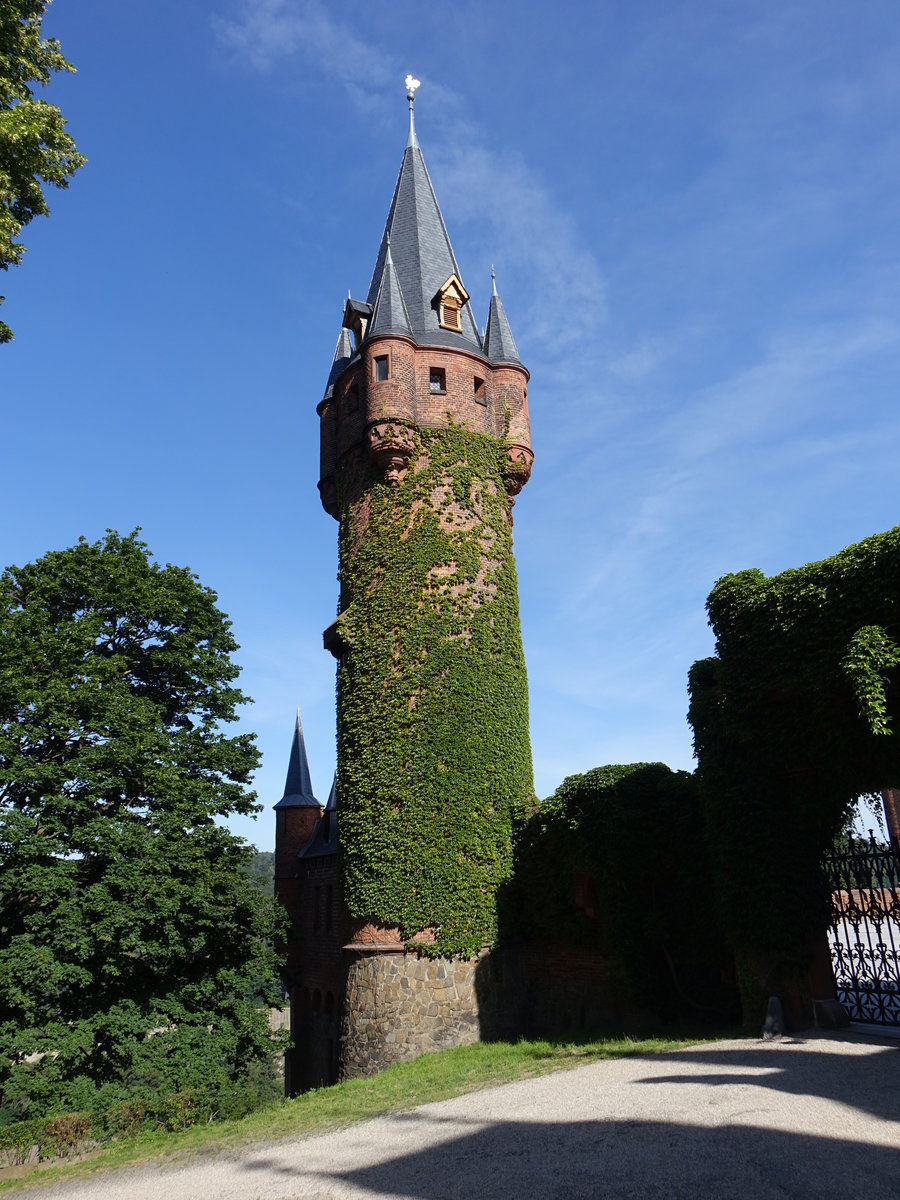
343	352
499	344
389	313
298	811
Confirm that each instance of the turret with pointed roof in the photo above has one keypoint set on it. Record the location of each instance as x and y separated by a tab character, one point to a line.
297	815
389	314
298	791
499	344
343	352
417	358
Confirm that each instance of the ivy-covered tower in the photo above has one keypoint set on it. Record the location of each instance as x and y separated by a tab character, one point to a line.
424	445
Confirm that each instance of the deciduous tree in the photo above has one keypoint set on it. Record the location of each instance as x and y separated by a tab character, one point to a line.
135	951
34	146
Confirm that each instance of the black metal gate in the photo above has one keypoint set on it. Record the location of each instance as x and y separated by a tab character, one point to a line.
864	881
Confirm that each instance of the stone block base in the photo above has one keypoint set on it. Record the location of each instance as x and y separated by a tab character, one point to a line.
398	1006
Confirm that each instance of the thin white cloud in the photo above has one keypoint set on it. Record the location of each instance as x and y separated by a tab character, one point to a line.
501	207
263	33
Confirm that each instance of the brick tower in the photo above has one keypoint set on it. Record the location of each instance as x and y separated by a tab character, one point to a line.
424	445
306	885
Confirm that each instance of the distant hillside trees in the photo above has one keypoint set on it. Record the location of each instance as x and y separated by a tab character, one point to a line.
34	146
261	869
136	960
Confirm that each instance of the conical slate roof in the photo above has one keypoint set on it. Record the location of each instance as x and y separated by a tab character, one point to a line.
343	352
324	839
422	254
298	791
389	314
499	344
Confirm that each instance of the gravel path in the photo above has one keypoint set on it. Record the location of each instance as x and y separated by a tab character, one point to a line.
816	1117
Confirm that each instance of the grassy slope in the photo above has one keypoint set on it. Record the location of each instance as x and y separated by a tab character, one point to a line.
400	1088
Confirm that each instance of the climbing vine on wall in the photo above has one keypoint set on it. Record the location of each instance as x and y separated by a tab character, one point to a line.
615	862
434	756
792	720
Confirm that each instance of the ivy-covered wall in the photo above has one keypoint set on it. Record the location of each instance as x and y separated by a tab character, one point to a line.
793	719
433	748
615	862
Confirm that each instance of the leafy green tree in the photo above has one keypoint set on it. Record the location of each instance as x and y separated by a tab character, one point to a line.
136	954
34	145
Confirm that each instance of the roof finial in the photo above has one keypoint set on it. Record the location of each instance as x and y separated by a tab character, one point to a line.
411	85
493	281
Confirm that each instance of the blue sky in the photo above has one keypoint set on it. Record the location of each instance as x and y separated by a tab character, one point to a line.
692	208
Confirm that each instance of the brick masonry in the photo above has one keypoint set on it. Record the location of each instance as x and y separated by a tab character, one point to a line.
477	395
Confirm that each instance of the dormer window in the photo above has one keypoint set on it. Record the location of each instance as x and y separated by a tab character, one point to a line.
450	313
449	300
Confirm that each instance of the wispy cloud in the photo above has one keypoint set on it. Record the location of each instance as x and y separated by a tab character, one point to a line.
730	454
263	33
500	206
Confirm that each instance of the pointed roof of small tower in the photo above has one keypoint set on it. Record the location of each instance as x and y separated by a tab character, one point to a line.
421	250
324	839
499	344
343	352
389	313
298	791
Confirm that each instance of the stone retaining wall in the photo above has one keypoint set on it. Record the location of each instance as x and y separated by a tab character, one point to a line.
397	1006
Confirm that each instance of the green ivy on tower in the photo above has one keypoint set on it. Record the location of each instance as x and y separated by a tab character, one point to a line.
432	788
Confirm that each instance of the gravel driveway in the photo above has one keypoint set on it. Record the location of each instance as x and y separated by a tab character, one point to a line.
815	1117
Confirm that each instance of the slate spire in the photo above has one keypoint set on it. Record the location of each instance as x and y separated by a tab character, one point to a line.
499	344
343	352
422	256
389	313
298	791
324	839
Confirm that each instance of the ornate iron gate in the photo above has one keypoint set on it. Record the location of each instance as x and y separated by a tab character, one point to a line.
864	881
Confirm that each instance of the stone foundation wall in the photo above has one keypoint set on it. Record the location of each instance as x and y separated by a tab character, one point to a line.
397	1006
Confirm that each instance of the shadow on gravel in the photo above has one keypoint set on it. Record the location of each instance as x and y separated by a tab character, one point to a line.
634	1159
869	1083
648	1158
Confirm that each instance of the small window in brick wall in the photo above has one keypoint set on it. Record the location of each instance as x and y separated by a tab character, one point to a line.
381	368
480	393
352	399
437	380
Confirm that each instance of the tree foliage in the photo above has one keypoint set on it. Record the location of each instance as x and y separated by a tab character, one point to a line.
792	721
434	757
34	146
135	952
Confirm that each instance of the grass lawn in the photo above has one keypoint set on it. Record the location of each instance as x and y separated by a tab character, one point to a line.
400	1088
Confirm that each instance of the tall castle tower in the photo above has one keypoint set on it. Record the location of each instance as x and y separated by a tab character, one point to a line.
424	445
